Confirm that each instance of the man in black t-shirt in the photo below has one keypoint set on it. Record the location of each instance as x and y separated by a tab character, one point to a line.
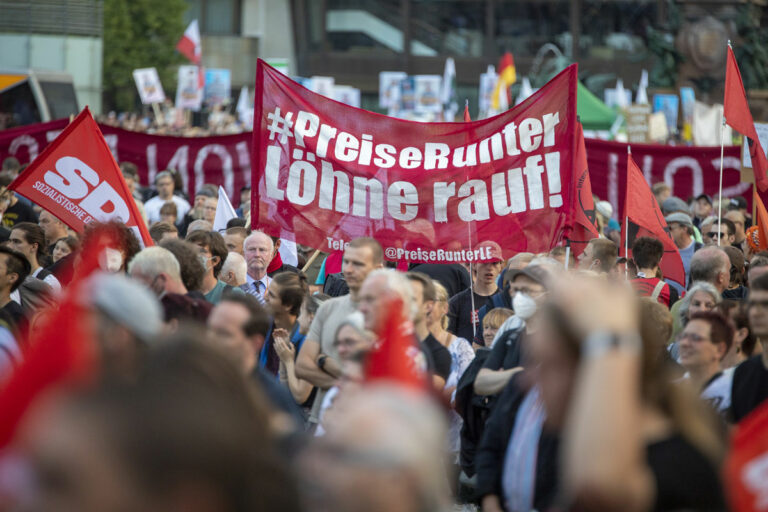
750	379
424	299
453	276
463	319
14	268
16	211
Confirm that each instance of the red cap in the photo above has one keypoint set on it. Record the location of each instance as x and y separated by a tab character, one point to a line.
491	252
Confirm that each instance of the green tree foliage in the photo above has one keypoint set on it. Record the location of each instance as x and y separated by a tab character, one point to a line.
752	51
139	34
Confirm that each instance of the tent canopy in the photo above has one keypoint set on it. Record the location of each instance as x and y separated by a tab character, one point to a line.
594	114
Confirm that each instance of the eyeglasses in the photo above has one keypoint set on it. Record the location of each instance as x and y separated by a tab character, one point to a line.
695	338
525	290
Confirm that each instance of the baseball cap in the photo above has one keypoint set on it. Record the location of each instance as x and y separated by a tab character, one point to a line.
534	272
680	218
605	208
705	196
673	204
126	302
492	249
737	203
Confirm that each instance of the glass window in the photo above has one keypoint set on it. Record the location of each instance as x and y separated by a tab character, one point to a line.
194	11
364	26
220	16
612	30
447	27
60	97
524	27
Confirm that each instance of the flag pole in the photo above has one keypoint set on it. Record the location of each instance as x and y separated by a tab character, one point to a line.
720	186
626	220
469	238
567	253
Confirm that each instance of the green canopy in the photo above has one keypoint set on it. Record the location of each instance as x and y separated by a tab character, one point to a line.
594	114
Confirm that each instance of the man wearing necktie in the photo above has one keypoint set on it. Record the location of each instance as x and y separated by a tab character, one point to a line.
258	250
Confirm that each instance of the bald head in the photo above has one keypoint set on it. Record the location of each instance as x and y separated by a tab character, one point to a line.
258	250
711	264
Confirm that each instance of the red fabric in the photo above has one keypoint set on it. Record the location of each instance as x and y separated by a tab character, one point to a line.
467	119
189	44
395	356
584	222
761	221
333	263
688	170
275	264
645	219
62	353
645	286
422	208
746	468
77	179
738	116
225	160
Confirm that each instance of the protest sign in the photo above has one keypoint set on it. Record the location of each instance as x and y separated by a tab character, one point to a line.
669	105
149	86
427	93
77	179
217	86
637	122
389	88
347	95
428	192
189	93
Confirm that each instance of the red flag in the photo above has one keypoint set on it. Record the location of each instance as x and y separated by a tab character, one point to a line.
396	357
63	353
77	179
583	213
757	235
189	44
645	219
746	469
738	116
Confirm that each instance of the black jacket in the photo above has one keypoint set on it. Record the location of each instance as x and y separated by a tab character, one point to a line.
489	460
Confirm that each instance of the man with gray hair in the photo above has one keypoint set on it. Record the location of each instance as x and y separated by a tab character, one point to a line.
127	320
165	185
234	270
159	270
711	264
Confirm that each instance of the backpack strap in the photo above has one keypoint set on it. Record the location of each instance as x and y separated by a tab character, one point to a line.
657	290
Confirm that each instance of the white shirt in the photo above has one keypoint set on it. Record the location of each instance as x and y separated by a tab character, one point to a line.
264	284
152	207
50	280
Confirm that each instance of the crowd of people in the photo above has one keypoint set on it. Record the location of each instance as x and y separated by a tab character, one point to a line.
169	120
228	380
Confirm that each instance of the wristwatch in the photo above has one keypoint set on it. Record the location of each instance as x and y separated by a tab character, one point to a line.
321	362
599	342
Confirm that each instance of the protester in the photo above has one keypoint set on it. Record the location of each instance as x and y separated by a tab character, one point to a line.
492	322
285	295
169	212
681	229
423	290
702	297
702	208
647	253
200	208
744	345
529	290
301	390
234	270
452	276
212	253
317	361
53	229
722	232
29	240
14	269
599	255
159	270
739	222
703	345
164	182
199	225
258	250
190	267
661	191
625	424
750	379
234	238
160	231
64	247
16	210
239	324
124	245
736	289
758	266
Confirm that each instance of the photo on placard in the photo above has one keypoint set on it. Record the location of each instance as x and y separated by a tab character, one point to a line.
669	105
323	85
408	94
149	86
189	93
427	93
487	86
347	95
389	87
218	84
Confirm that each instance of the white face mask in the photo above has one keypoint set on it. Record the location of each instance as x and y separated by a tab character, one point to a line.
524	306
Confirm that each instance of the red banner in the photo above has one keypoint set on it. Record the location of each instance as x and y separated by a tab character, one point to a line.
221	160
77	180
690	171
330	173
